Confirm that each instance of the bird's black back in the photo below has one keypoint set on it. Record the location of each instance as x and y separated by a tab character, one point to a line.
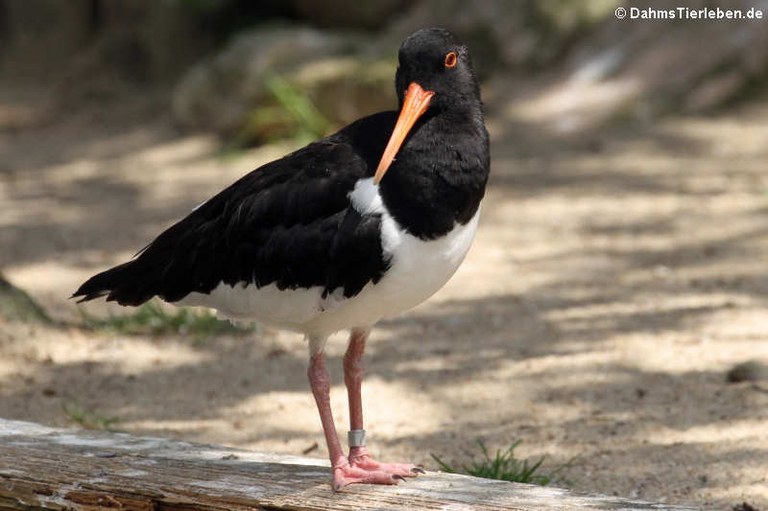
287	223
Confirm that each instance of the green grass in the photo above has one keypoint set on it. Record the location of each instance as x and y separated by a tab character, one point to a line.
17	306
88	419
311	123
152	319
293	116
504	466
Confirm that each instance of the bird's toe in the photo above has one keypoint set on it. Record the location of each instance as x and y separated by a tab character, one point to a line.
347	474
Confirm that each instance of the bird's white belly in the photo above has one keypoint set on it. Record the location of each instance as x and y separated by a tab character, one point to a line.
418	269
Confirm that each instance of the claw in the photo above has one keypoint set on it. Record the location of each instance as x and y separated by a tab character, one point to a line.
359	467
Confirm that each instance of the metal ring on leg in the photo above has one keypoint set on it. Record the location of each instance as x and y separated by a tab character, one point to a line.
356	438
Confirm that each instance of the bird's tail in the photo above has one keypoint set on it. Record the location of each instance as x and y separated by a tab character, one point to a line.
131	283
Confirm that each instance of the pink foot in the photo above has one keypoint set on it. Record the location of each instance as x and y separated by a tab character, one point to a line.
359	457
361	468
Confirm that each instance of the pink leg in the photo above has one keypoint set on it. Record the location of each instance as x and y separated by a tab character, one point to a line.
353	379
353	376
320	382
343	472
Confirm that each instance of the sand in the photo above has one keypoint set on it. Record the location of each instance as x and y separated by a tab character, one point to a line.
616	277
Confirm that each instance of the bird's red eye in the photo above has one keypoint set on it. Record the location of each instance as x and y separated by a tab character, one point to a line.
451	59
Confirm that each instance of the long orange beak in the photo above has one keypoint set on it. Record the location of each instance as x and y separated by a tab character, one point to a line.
415	104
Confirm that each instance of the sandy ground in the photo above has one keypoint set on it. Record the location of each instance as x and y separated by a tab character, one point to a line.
616	277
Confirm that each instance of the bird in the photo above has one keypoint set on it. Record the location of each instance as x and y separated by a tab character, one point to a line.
361	225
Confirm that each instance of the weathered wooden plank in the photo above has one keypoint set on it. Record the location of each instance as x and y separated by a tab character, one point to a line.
44	468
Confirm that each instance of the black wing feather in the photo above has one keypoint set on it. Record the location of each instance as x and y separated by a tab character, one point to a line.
288	223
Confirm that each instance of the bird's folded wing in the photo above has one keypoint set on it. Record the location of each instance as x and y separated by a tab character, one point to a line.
288	223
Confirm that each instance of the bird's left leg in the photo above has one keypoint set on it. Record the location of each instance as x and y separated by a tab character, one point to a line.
344	472
353	379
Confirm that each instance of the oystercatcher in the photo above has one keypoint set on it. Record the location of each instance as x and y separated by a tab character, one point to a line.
361	225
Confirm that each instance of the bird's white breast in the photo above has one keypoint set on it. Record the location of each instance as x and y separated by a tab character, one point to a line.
418	269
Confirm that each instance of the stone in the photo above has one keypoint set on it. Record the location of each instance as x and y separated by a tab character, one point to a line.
349	13
751	370
233	94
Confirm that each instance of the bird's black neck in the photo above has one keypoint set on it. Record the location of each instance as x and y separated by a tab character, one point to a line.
438	178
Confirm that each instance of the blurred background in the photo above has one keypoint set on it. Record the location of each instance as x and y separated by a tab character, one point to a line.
611	315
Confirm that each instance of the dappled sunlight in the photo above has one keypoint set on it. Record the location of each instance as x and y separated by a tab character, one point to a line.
188	428
575	105
736	140
189	149
618	273
757	485
678	353
263	415
122	355
26	202
744	325
51	213
564	369
196	174
735	430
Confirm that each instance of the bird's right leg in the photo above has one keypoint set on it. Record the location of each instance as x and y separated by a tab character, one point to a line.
353	379
343	472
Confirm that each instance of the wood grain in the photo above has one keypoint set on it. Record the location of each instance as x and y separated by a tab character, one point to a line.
45	468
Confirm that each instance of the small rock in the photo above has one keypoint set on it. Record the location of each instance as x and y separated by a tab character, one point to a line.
744	506
751	370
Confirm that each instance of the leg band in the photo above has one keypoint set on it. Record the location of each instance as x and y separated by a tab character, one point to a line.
356	438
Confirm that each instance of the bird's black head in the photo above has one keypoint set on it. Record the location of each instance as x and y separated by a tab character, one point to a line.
438	62
435	75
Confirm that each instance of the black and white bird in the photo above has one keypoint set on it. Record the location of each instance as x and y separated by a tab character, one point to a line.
361	225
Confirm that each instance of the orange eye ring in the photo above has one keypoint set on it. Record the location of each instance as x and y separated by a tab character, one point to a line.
451	59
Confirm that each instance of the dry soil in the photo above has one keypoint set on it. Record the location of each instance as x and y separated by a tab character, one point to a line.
617	275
